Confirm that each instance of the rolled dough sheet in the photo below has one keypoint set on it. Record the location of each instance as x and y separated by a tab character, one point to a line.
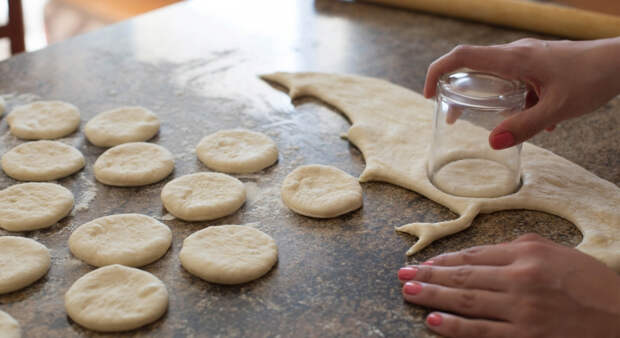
392	127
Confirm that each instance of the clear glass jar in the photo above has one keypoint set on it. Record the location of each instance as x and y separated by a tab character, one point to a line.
461	162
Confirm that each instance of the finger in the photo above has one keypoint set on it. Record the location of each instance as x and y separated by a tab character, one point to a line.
453	114
521	126
462	277
496	255
476	303
532	237
449	325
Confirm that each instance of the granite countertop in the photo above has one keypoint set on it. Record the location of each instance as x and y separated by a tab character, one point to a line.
195	64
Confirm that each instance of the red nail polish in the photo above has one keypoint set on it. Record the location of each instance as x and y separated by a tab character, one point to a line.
412	288
502	140
429	262
434	319
407	273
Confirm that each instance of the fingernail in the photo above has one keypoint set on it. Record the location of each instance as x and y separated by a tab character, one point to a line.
502	140
434	319
412	288
429	262
407	273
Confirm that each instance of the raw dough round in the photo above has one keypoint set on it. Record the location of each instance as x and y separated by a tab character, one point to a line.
229	254
32	206
9	327
22	262
237	151
42	161
116	298
321	191
43	120
128	239
475	178
133	164
121	125
203	196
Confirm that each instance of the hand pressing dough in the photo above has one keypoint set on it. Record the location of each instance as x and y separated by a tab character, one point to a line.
133	164
33	206
42	161
237	151
127	239
229	254
203	196
22	262
43	120
116	298
321	191
9	327
392	126
121	125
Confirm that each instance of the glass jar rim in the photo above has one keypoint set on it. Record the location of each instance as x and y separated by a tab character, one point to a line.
481	89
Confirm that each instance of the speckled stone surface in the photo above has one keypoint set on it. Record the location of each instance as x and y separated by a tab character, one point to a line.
196	65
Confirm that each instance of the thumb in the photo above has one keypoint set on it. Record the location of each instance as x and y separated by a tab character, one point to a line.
520	127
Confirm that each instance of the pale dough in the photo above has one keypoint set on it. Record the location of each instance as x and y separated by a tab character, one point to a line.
392	126
42	161
9	327
43	120
128	239
229	254
133	164
116	298
23	261
321	191
32	206
203	196
475	177
121	125
237	151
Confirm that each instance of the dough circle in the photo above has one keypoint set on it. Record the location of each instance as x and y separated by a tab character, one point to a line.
229	254
133	164
121	125
22	262
203	196
43	120
237	151
32	206
321	191
9	327
475	177
128	239
42	161
116	298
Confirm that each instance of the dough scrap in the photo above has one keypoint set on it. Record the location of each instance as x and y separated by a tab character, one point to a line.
128	239
122	125
203	196
9	327
321	191
237	151
42	161
43	120
133	164
23	261
116	298
392	126
229	254
33	206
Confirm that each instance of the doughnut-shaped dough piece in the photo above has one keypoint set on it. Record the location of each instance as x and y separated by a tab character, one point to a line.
33	206
9	327
203	196
116	298
128	239
42	161
23	261
43	120
133	164
321	191
229	254
121	125
237	151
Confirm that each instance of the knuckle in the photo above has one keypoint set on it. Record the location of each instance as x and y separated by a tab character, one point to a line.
529	237
425	273
460	277
470	255
467	300
461	50
530	274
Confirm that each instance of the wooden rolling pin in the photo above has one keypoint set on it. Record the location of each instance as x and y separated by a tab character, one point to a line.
545	18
